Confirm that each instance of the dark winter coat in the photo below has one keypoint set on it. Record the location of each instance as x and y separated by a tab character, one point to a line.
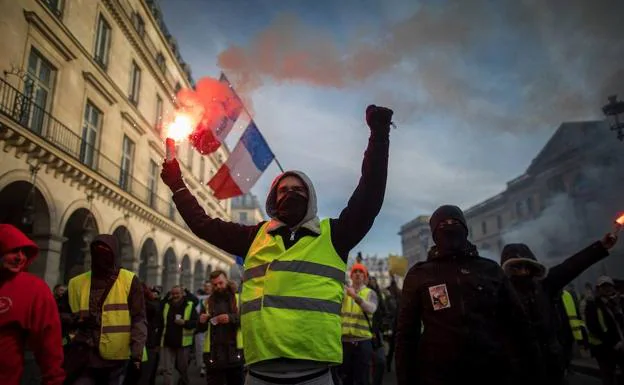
542	302
223	349
611	336
102	279
153	316
474	326
347	230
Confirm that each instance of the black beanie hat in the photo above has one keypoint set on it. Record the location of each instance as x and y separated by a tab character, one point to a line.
445	212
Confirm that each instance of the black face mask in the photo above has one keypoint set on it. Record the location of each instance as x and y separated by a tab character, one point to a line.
523	283
451	238
102	262
292	208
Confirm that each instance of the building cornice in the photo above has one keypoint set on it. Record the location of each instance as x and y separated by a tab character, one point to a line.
90	78
115	7
164	41
157	147
137	127
35	21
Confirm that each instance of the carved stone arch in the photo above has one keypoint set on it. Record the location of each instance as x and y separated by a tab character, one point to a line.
24	176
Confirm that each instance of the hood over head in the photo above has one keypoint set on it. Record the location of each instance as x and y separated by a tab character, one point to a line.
515	253
604	280
12	238
310	220
105	263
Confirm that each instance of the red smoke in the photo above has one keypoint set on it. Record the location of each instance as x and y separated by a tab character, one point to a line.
437	50
207	105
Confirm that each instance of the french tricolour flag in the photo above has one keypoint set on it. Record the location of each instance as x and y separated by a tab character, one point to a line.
233	109
246	163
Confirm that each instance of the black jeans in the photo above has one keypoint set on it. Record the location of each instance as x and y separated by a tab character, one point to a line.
356	362
379	365
103	376
149	367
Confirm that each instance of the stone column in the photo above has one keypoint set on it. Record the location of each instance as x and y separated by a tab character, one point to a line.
127	259
47	264
173	276
154	274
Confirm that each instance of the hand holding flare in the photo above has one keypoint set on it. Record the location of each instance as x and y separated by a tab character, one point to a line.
610	239
178	130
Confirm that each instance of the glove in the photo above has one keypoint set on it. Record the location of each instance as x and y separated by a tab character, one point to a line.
171	175
378	118
609	240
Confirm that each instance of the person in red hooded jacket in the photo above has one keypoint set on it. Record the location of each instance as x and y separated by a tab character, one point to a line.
28	313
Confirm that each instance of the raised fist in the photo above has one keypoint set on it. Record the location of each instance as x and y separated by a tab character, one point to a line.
171	174
378	118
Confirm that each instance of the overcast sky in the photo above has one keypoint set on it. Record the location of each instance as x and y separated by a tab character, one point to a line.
477	87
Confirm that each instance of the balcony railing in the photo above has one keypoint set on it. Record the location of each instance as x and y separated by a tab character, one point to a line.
25	112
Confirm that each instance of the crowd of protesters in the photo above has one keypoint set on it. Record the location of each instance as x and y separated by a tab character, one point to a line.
297	319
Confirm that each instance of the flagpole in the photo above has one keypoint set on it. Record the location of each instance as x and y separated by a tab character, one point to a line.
248	114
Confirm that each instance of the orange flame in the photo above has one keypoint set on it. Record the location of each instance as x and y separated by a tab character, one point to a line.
180	128
620	220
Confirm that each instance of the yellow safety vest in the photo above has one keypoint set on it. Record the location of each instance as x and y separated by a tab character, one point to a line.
116	323
593	340
187	334
353	320
291	299
576	323
239	333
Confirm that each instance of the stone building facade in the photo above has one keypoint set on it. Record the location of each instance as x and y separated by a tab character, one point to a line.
416	239
567	198
86	86
246	209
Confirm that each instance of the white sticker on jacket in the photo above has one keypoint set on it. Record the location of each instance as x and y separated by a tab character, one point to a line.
439	297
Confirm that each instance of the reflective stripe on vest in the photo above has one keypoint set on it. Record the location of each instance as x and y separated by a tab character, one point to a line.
187	334
576	324
353	320
291	299
144	358
239	333
593	340
116	323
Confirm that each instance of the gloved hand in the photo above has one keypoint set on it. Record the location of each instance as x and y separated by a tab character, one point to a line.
609	240
378	118
171	175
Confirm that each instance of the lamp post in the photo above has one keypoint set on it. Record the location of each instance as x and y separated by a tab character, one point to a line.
29	210
614	111
89	231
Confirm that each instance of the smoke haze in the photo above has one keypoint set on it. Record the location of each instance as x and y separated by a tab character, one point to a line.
564	58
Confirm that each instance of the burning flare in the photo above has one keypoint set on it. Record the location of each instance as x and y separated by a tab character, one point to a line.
620	220
180	128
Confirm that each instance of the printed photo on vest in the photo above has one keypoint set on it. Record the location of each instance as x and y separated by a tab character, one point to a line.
439	297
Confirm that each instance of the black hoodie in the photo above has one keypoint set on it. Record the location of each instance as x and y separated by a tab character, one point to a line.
104	271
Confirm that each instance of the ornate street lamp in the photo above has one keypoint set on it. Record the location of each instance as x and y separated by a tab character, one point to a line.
614	111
